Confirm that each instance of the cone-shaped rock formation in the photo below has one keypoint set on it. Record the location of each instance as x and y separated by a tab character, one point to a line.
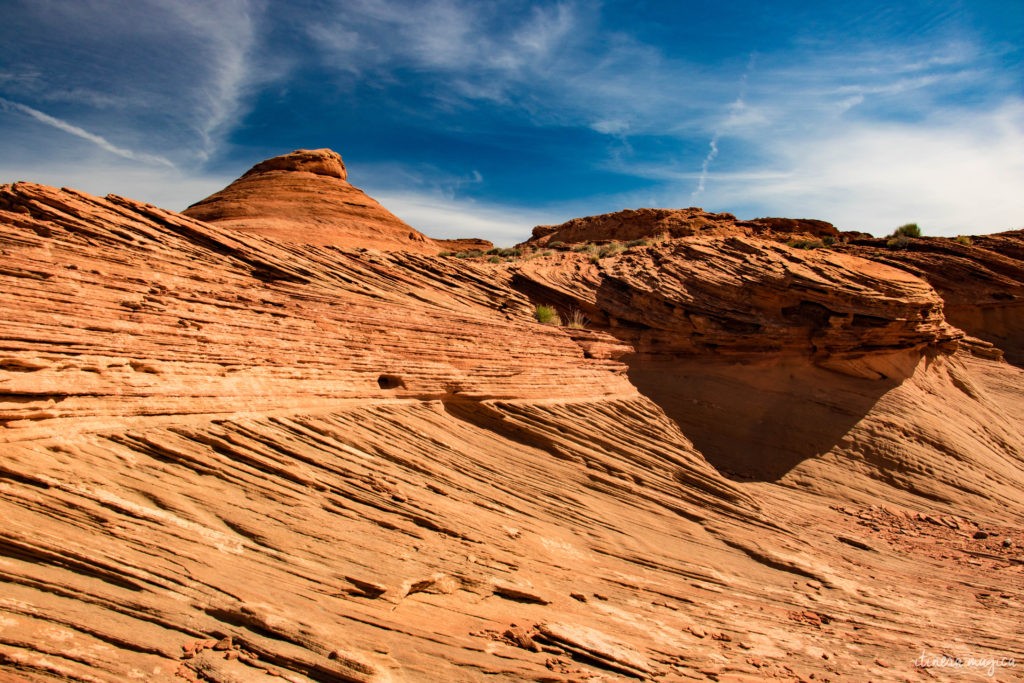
305	197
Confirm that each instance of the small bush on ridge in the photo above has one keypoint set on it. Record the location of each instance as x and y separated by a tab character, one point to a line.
577	320
547	315
907	230
805	244
898	242
508	253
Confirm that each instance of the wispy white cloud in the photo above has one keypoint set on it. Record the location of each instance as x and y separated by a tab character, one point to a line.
78	132
867	139
99	173
30	81
611	126
807	87
426	179
452	36
953	173
445	218
171	77
229	31
552	64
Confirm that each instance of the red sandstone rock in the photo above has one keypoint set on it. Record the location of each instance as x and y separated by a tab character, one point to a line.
980	279
305	197
639	224
355	465
741	296
465	244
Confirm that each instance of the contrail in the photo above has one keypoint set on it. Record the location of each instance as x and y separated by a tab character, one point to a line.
97	140
739	103
712	153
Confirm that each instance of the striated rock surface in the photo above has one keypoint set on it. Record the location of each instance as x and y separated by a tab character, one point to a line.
980	279
741	296
227	457
637	224
305	197
464	244
772	358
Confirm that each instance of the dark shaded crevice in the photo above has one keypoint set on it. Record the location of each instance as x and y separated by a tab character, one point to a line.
22	478
489	419
772	563
35	555
317	672
756	422
389	381
809	313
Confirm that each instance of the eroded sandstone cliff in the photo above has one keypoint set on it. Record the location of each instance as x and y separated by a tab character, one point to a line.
226	455
980	279
633	224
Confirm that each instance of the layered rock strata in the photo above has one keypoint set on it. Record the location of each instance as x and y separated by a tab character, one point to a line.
980	279
227	456
305	197
638	224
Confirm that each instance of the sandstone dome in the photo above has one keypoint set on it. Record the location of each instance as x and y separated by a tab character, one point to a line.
305	197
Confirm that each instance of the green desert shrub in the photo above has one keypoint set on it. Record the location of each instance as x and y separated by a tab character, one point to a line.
964	240
907	230
898	242
637	243
577	320
609	250
505	252
805	244
547	315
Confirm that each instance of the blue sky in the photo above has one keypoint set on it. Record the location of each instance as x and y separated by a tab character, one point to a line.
471	118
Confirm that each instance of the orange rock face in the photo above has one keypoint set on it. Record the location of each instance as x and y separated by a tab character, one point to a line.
637	224
226	456
305	197
469	244
980	279
746	297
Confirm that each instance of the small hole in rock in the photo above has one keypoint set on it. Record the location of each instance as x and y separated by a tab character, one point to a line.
390	382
